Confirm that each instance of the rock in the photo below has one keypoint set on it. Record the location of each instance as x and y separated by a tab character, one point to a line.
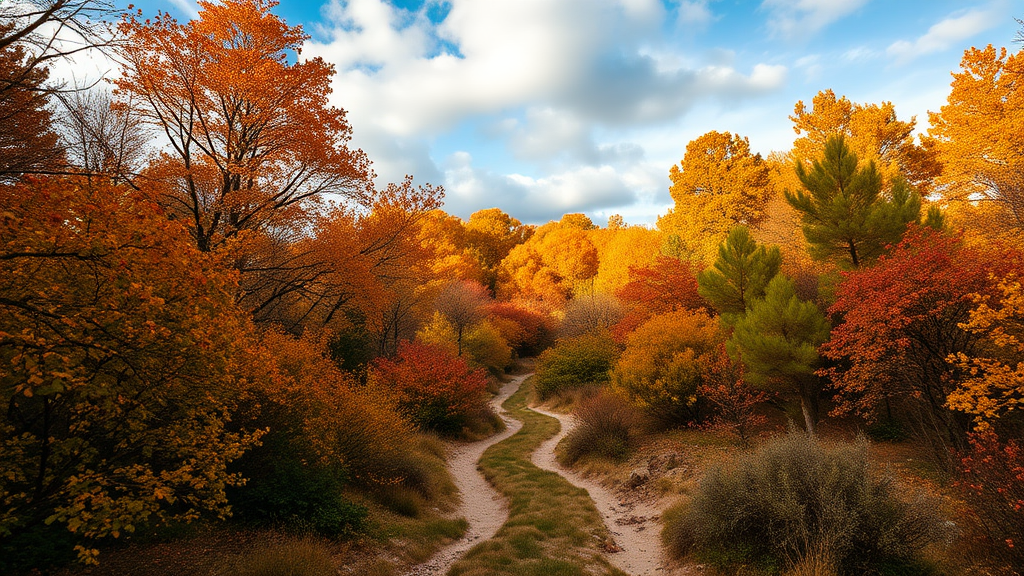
638	477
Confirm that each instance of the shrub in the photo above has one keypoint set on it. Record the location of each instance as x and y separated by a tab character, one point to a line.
437	390
797	501
665	362
323	432
992	481
606	426
575	362
486	348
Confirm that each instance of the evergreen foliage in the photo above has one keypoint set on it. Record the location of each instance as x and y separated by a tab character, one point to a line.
845	216
740	274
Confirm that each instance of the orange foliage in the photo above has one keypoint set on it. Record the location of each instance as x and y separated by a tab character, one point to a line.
979	136
556	262
668	285
120	348
525	329
873	133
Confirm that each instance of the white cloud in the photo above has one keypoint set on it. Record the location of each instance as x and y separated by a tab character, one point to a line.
189	7
946	34
803	18
591	189
396	75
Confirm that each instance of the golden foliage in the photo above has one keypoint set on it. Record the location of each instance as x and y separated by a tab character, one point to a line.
979	136
995	387
718	185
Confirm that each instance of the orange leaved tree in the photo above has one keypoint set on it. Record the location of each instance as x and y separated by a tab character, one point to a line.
119	351
252	146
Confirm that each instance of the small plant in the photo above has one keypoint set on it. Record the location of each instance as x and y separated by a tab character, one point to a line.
797	503
606	426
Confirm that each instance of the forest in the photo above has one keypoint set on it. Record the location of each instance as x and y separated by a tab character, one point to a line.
225	350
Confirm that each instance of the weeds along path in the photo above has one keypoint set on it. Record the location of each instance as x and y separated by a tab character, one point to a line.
553	526
635	526
482	506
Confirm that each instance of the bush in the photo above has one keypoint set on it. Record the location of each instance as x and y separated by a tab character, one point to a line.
589	314
575	362
284	491
324	431
606	426
992	481
797	501
486	348
438	391
666	361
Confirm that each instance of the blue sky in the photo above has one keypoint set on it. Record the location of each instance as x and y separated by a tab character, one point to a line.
542	107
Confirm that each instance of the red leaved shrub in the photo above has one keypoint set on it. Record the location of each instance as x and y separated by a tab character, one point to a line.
436	389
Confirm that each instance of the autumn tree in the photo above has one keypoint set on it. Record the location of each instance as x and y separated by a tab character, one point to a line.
253	148
462	304
492	234
739	276
777	340
557	262
525	329
979	137
994	387
844	214
873	133
27	142
902	321
119	353
666	361
718	185
668	285
620	249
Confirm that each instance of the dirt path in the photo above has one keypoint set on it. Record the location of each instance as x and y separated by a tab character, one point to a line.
636	526
482	505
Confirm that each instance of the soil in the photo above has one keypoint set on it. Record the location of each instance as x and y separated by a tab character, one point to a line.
482	505
631	513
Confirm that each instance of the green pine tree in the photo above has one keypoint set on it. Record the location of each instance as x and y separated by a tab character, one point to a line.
844	213
777	339
739	276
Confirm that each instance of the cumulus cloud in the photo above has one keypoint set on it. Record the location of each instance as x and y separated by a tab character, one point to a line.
946	34
803	18
542	77
591	189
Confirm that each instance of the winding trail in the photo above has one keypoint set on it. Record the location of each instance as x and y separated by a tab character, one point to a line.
482	505
636	526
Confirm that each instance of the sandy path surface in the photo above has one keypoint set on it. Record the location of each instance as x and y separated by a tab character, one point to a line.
482	505
635	526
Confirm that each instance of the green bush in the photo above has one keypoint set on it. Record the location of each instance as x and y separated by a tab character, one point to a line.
797	500
606	426
573	362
